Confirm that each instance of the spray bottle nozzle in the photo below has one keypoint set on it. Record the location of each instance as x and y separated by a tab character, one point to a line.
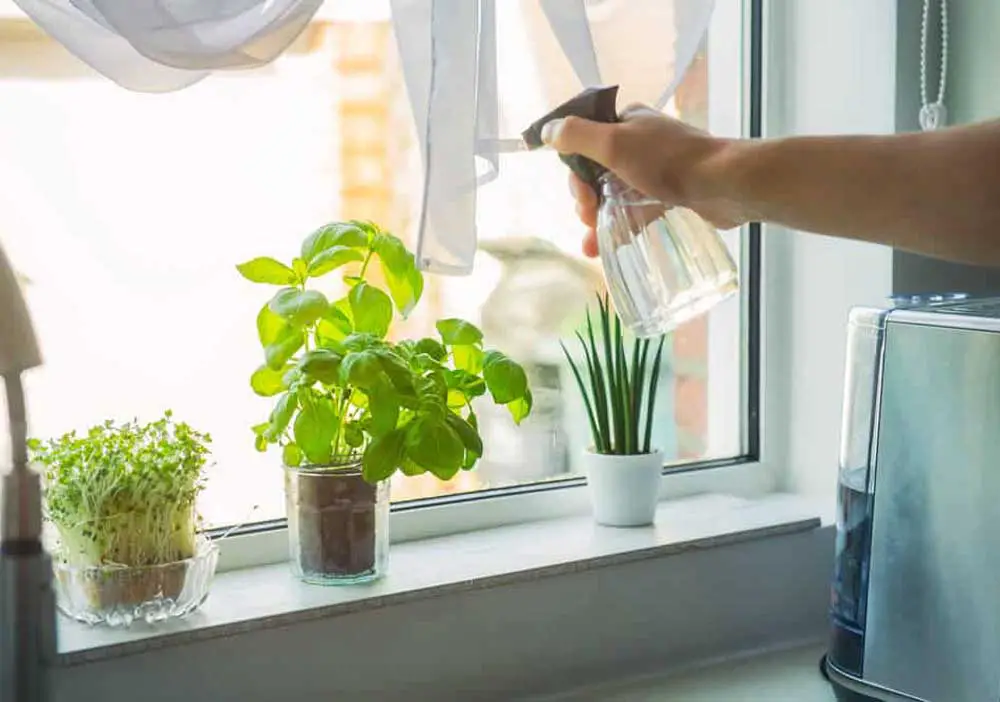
595	104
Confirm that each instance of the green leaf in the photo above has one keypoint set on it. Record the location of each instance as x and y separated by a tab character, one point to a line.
299	307
331	258
521	407
384	408
281	415
432	391
431	347
371	309
267	270
269	326
435	446
468	358
301	268
267	382
409	468
260	443
468	384
383	456
314	429
361	342
291	456
399	268
330	235
353	436
467	433
505	379
397	370
455	332
362	369
334	326
259	429
289	341
323	365
291	377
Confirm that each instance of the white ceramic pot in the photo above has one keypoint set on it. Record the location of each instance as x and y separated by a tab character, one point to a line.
623	489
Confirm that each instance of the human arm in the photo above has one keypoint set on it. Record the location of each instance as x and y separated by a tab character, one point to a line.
935	193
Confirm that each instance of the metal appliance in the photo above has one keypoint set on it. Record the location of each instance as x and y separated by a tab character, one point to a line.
915	599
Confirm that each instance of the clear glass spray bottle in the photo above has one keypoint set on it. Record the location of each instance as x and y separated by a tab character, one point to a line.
664	265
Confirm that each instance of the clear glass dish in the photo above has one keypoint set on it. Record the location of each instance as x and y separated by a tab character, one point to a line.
117	596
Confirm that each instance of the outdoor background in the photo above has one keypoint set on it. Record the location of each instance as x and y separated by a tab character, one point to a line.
126	214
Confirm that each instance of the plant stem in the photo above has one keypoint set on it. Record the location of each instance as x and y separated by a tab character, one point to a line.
364	266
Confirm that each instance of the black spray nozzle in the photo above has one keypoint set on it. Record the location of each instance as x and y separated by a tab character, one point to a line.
595	104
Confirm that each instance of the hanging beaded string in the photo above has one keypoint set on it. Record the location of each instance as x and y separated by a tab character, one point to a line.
933	115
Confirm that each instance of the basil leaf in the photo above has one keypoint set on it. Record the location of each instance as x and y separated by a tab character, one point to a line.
314	428
281	415
299	307
269	326
470	437
399	268
431	347
291	456
520	408
458	332
267	382
362	369
331	258
371	309
323	365
505	379
383	456
468	358
384	408
289	341
435	446
330	235
267	270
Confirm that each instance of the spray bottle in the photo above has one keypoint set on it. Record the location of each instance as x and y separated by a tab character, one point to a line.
664	265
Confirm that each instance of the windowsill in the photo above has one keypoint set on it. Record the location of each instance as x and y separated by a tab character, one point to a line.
270	597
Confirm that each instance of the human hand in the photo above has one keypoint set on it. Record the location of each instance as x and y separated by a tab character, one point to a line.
655	154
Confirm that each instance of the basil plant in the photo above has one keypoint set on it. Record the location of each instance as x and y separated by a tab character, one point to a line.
343	389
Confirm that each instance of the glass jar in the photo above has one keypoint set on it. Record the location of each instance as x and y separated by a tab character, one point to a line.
338	524
664	266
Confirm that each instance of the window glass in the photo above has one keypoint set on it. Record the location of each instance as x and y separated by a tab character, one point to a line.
125	215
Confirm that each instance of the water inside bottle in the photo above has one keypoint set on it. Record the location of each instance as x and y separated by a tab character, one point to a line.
663	266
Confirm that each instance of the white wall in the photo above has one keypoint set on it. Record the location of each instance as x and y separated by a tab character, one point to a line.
832	70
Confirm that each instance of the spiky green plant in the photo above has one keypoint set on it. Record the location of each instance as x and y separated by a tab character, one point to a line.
620	396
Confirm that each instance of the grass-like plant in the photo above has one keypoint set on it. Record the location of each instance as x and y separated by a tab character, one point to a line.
620	396
124	494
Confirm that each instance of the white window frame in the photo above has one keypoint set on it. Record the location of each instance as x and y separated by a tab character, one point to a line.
807	283
728	45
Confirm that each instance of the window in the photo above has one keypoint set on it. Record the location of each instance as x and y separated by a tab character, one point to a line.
125	214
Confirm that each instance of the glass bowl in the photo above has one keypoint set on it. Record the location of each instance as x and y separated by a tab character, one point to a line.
117	596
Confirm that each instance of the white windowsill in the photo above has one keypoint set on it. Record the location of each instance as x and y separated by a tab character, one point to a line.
270	597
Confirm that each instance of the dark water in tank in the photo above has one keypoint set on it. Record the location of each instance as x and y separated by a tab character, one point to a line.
848	596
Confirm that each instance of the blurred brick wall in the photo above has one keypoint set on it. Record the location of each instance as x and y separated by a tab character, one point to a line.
690	342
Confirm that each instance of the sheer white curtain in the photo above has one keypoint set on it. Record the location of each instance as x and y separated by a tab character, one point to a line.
465	116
